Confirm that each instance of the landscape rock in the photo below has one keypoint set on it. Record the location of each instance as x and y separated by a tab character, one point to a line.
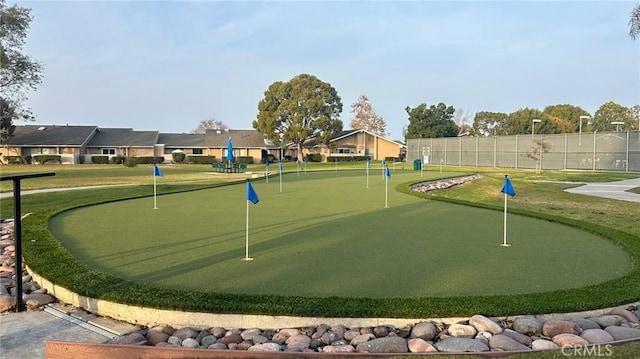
626	314
418	345
569	340
543	344
503	342
528	325
424	330
596	336
551	328
345	348
384	345
608	320
622	333
484	324
453	344
462	330
265	347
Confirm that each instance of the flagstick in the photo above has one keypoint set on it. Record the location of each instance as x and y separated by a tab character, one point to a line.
504	242
280	169
297	169
154	189
266	173
421	169
386	196
367	176
246	252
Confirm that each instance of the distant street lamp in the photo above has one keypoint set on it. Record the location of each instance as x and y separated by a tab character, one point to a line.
617	123
533	127
583	118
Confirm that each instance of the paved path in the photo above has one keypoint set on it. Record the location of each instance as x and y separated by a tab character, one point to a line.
614	190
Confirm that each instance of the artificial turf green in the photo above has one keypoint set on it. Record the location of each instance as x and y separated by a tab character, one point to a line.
327	235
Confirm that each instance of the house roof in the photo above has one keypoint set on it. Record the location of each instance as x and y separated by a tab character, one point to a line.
182	140
119	137
240	138
50	135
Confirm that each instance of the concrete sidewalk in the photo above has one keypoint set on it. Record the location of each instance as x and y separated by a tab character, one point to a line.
613	190
23	334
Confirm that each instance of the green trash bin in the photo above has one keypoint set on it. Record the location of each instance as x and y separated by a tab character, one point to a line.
417	165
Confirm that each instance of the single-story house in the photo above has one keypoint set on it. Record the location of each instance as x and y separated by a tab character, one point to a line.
77	144
355	143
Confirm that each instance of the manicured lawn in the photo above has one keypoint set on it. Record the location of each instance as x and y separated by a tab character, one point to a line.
327	234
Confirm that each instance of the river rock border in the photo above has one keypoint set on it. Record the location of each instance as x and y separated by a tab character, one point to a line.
443	183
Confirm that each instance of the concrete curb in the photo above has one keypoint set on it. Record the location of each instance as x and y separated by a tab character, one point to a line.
152	317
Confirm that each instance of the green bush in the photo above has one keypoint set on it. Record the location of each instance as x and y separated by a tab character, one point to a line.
178	157
245	159
314	157
118	159
353	158
81	159
100	159
148	160
130	162
202	160
271	158
42	159
18	160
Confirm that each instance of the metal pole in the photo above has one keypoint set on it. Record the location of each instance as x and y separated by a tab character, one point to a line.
17	237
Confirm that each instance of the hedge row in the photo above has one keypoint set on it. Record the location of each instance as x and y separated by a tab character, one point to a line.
347	159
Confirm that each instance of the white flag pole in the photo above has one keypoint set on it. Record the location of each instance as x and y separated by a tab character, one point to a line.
280	169
504	241
154	189
386	185
246	246
367	174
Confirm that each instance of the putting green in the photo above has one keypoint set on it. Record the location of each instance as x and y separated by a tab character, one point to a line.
327	234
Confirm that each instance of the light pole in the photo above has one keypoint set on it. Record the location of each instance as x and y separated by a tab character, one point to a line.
533	126
617	123
583	118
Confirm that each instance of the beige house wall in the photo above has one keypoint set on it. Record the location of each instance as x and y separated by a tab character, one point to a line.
358	144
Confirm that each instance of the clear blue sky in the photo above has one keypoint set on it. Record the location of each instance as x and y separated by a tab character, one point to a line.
167	65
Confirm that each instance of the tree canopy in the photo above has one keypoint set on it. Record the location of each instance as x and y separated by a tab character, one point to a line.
487	123
365	118
18	72
613	112
298	110
634	22
211	124
433	121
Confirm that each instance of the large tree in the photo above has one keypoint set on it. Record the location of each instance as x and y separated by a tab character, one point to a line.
365	118
487	123
211	124
298	110
429	122
19	73
635	112
521	122
565	118
634	22
612	112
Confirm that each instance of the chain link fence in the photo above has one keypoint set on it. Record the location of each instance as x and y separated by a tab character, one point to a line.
595	151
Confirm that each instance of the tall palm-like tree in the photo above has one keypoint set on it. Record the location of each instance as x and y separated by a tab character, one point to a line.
634	22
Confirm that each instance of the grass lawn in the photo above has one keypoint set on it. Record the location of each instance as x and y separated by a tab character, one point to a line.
327	234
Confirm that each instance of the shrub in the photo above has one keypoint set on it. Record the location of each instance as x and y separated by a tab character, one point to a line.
202	160
18	160
81	159
148	160
130	162
100	159
347	159
245	159
118	159
42	159
178	157
314	157
271	158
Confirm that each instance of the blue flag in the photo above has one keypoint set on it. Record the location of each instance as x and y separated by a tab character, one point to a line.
384	162
387	173
251	194
280	166
368	164
157	172
508	187
266	163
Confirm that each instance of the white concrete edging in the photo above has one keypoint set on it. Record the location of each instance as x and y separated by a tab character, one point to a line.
152	317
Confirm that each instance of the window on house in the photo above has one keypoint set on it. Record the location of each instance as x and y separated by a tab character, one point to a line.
197	151
108	151
345	150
